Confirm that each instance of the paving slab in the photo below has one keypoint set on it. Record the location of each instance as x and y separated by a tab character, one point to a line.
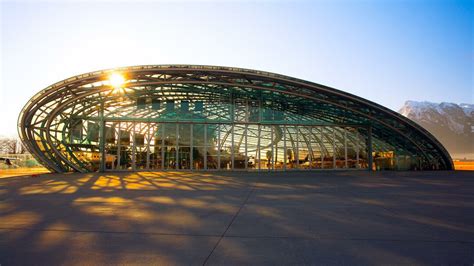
298	251
56	247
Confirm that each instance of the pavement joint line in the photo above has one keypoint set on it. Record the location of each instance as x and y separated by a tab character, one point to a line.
353	239
251	190
243	236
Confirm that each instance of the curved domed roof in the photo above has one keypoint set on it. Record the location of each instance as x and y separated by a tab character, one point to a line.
45	123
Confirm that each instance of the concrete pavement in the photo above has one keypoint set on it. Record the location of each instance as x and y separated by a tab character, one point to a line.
332	218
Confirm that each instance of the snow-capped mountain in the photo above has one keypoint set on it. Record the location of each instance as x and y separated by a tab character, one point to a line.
450	123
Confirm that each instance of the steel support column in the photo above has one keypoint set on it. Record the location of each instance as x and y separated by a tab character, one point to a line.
258	155
232	149
219	148
284	148
310	148
246	149
176	159
334	147
162	146
148	140
297	151
345	148
102	138
205	146
119	146
134	148
191	159
369	148
322	147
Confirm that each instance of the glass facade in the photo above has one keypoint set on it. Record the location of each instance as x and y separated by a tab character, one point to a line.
209	118
199	146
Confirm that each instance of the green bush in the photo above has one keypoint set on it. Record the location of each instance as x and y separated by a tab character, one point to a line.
31	163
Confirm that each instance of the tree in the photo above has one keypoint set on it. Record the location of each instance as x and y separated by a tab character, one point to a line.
7	146
11	146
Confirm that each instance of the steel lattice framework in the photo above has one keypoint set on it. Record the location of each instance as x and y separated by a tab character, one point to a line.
237	115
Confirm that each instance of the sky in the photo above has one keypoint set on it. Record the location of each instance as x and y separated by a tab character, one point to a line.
384	51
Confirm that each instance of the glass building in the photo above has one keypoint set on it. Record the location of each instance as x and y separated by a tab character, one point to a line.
204	118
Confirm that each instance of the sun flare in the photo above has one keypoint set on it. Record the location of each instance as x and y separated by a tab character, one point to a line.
116	80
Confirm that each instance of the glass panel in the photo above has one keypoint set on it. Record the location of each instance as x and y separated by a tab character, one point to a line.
184	157
76	130
279	147
141	103
252	148
155	147
111	146
124	161
291	147
362	140
339	142
170	145
303	147
253	111
141	149
315	144
184	138
352	147
266	151
155	104
92	132
226	146
239	147
198	146
327	141
240	110
212	150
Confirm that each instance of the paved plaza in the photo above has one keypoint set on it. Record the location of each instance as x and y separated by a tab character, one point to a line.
219	218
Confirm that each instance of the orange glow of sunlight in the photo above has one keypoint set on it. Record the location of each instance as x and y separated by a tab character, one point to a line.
116	80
